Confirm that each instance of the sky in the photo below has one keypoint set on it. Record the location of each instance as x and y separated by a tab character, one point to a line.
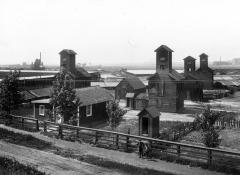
118	31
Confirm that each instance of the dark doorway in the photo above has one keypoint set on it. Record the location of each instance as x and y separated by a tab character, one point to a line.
144	125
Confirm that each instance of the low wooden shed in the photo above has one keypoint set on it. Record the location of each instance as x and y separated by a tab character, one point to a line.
149	122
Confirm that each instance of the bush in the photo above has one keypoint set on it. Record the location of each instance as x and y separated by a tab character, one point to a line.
211	138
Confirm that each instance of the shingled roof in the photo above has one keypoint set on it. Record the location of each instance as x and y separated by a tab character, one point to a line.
134	82
93	95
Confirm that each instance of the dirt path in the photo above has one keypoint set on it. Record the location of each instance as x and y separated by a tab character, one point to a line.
49	162
116	156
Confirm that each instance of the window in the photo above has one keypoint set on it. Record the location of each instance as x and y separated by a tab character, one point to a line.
89	110
41	110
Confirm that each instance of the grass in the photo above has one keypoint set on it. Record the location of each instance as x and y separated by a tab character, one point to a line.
132	124
125	168
230	138
10	166
23	139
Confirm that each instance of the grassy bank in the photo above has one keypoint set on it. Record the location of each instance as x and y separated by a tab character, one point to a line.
10	166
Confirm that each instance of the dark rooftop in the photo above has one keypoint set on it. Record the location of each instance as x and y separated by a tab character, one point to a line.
163	47
189	58
68	51
93	95
135	83
152	110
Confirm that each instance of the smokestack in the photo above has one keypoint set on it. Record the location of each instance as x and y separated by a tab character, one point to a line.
40	56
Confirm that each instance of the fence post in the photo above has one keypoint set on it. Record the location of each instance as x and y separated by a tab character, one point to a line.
77	133
44	127
37	125
209	157
127	140
117	140
60	134
96	137
178	151
22	123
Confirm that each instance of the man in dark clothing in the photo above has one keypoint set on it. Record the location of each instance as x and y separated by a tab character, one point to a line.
140	149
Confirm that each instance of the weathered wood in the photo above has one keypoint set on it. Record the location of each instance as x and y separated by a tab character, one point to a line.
37	125
117	140
96	137
45	126
22	122
60	132
209	157
178	150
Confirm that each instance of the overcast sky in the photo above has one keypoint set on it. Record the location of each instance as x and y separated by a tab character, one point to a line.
118	31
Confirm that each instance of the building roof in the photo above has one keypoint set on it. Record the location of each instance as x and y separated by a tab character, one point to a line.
191	75
93	95
42	101
203	55
68	51
134	82
87	96
152	111
43	92
173	74
205	69
82	72
189	58
27	95
142	96
164	47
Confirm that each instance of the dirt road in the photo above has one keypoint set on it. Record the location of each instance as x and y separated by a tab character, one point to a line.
51	163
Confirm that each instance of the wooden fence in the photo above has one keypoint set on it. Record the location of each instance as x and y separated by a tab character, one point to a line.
228	123
128	142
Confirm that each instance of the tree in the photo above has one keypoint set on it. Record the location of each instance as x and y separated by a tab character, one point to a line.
11	96
205	122
115	114
63	97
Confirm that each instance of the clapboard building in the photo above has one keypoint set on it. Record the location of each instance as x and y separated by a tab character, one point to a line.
166	85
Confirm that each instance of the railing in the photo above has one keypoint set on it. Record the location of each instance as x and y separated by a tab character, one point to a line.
25	123
128	143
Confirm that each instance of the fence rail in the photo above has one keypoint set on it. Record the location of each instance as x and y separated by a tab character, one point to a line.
128	142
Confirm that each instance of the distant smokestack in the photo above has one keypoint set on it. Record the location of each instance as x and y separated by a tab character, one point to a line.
40	56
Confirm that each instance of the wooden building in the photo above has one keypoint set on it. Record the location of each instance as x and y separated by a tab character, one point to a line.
148	120
137	102
92	107
67	61
166	85
204	73
193	86
131	85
